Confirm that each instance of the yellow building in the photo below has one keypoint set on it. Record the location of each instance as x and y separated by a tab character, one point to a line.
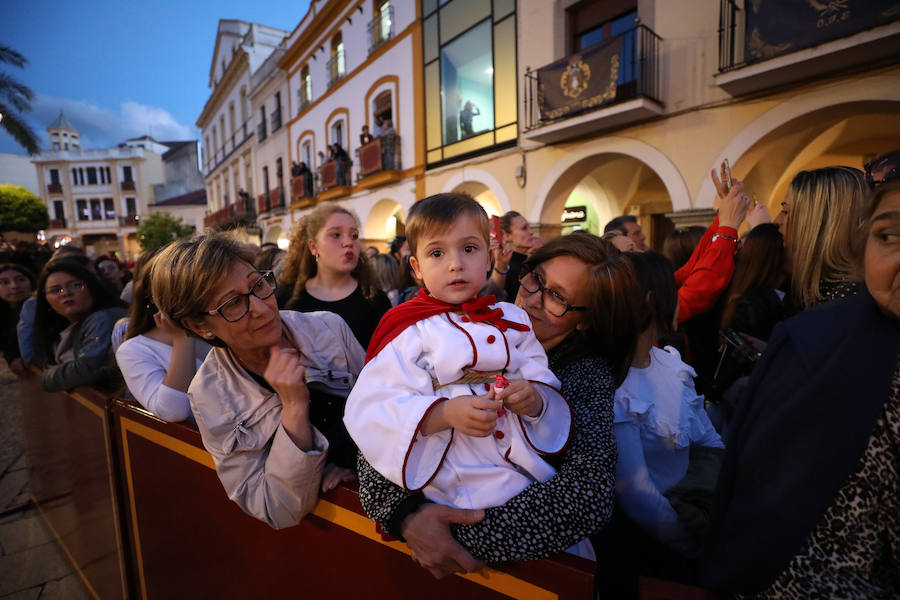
96	197
605	107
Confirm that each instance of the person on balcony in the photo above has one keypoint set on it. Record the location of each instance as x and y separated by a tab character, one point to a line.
339	155
365	137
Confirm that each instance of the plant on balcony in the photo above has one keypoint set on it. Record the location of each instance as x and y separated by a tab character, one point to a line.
15	99
158	229
20	210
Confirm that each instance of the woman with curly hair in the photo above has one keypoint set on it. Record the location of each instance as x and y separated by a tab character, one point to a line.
326	270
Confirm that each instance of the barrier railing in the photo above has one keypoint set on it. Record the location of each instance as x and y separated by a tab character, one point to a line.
137	505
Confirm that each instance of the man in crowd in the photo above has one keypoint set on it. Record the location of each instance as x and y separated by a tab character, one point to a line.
629	226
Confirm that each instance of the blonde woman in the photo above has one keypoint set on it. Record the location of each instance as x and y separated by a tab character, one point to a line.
824	215
327	271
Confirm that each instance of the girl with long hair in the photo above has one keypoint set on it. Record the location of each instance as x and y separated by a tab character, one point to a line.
16	286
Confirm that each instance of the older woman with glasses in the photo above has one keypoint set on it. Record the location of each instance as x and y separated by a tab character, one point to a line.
269	398
73	322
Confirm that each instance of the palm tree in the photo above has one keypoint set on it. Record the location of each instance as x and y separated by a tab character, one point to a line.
15	99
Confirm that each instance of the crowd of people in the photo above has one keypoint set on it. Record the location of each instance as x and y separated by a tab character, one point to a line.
724	413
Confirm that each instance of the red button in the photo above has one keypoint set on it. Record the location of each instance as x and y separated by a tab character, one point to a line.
491	339
465	319
498	435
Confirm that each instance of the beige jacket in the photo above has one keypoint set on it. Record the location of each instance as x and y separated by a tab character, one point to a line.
261	469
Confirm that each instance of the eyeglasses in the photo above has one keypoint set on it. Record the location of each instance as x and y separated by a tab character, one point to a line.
236	307
552	300
886	165
72	286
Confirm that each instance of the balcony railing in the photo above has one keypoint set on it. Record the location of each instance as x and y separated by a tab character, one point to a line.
58	223
636	76
223	215
261	133
381	154
127	186
335	68
302	186
335	173
381	29
54	188
130	221
222	154
276	119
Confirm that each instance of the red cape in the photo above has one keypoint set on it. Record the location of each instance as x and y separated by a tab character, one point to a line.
396	320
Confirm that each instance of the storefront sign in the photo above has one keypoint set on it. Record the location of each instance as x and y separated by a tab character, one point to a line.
574	214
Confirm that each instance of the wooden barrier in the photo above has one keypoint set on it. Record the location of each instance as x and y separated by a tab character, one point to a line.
137	506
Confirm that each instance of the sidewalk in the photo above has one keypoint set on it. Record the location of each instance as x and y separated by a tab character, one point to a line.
32	564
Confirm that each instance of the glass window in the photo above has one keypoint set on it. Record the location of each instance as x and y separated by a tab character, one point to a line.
109	208
81	207
58	212
92	175
126	174
467	84
96	210
54	176
130	207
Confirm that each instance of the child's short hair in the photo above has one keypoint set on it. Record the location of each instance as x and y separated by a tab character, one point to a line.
437	213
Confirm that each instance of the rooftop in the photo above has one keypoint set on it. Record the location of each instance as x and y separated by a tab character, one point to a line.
196	197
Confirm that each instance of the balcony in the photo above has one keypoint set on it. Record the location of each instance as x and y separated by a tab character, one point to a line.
219	217
379	161
222	154
129	221
334	179
58	223
335	68
261	133
276	119
302	189
127	186
54	188
381	28
775	45
609	85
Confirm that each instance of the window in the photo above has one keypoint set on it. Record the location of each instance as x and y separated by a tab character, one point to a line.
102	173
81	175
305	86
56	146
382	110
222	129
380	28
276	114
74	177
108	175
590	23
231	122
92	175
336	66
306	153
58	211
266	186
96	210
469	51
54	176
126	174
337	132
262	134
81	208
215	140
130	207
109	208
279	172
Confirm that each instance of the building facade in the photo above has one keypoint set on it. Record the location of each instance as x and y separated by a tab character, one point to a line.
569	112
96	197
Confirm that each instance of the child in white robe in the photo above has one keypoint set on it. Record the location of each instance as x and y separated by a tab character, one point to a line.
424	411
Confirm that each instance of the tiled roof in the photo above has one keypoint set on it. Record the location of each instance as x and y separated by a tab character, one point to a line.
62	122
196	197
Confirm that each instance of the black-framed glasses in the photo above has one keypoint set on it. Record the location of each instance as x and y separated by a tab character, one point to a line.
885	165
552	300
236	307
72	286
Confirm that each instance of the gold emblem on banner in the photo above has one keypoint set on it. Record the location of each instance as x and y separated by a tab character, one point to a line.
575	78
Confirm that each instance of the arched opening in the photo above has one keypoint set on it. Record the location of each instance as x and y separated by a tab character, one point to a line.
482	194
846	134
277	235
599	187
385	221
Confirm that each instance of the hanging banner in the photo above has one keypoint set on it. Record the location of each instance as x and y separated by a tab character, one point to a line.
776	27
580	81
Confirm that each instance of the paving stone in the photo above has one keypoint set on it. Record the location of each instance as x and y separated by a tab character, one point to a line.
32	567
24	533
68	588
32	593
13	488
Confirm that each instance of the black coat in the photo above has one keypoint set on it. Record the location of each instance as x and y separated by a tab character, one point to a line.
797	436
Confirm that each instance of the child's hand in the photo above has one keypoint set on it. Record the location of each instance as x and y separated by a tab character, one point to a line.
521	398
472	415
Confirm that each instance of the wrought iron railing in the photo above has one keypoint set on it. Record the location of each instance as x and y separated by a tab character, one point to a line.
336	68
732	29
222	154
276	119
381	28
639	76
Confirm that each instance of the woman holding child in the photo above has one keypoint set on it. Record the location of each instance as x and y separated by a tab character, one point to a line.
577	295
269	397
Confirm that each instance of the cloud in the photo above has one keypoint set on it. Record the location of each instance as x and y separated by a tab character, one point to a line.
101	127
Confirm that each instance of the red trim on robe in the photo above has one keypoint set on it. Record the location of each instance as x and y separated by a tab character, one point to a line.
413	441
